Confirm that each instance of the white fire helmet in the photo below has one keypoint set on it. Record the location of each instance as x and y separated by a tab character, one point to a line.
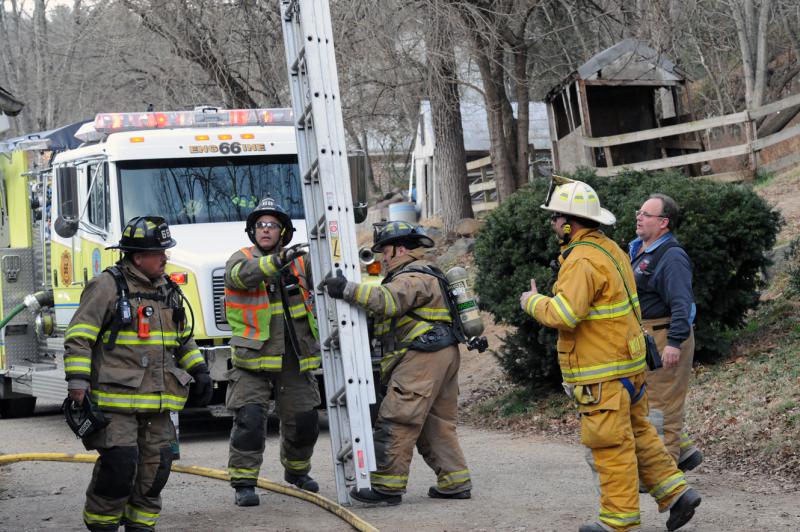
576	198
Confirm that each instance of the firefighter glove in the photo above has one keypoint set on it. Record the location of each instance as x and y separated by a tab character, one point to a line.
288	255
203	386
335	285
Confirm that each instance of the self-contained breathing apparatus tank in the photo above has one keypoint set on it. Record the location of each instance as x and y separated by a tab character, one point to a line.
466	304
466	308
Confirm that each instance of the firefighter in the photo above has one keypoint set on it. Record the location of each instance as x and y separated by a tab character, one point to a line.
128	348
269	305
663	275
419	368
601	351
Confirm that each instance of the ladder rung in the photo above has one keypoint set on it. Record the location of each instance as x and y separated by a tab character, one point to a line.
309	176
334	337
335	398
345	453
318	229
306	118
296	65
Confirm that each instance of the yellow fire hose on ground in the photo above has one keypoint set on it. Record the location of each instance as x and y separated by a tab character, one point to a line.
327	504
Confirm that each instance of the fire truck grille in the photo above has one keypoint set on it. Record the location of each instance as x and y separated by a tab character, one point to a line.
218	287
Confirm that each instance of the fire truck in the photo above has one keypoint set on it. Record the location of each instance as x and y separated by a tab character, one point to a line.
202	170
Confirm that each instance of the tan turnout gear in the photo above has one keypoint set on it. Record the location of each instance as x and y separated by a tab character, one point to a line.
601	354
137	382
421	402
667	391
264	360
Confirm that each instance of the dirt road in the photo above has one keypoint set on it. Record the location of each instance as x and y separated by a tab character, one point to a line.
521	483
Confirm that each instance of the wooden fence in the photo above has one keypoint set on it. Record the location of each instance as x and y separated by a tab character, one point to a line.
751	147
482	185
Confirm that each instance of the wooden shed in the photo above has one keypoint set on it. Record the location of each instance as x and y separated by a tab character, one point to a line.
627	88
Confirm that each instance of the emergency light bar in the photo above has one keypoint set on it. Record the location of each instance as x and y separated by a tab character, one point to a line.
203	116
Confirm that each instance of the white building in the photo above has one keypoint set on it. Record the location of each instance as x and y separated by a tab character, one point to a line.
422	179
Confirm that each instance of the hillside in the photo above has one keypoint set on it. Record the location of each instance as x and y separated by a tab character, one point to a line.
744	412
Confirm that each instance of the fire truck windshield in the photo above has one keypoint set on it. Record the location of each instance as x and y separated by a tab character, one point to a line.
215	189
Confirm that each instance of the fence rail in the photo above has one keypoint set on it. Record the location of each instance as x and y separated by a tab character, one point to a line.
482	187
751	147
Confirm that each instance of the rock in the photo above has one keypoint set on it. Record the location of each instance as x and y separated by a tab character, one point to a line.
462	246
467	227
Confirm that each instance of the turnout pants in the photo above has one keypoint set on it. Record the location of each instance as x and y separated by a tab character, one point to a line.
667	389
420	407
133	468
620	437
296	394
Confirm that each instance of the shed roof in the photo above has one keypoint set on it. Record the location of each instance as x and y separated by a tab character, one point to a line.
630	60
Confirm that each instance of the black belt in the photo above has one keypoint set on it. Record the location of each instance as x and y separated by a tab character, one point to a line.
661	326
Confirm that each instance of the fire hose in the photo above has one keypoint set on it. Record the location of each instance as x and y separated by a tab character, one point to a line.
31	301
323	502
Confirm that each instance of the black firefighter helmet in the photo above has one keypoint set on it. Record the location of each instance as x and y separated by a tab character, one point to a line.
273	208
145	233
399	234
83	418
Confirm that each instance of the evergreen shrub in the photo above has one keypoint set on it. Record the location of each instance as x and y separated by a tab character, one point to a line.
726	230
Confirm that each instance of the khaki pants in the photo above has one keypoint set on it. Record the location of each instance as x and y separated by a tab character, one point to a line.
667	389
296	395
133	468
624	449
421	408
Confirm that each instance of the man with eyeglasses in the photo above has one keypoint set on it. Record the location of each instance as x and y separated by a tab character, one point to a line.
601	353
129	354
274	349
663	274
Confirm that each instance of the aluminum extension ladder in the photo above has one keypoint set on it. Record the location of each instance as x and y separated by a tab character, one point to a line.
322	156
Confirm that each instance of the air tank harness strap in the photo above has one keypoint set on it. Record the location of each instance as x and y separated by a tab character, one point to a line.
122	314
626	382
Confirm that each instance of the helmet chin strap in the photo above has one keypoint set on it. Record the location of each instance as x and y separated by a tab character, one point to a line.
567	229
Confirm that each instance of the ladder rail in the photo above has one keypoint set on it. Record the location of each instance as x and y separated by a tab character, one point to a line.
322	157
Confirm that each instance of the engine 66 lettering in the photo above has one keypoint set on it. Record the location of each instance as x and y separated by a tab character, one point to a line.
227	147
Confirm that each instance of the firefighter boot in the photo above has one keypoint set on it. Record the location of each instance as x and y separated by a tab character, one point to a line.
592	527
246	496
692	461
370	496
683	510
436	494
303	482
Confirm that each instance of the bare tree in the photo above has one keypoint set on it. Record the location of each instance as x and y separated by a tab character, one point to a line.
449	157
751	18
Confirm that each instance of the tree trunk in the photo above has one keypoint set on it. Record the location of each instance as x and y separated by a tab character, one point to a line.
494	93
449	157
45	116
759	83
523	112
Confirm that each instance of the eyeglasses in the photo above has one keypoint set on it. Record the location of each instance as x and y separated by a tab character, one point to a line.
555	216
648	215
268	225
